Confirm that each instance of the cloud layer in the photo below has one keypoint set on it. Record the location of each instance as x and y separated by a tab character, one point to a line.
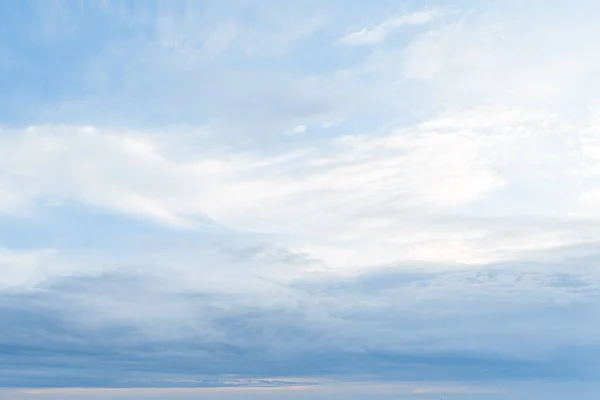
241	195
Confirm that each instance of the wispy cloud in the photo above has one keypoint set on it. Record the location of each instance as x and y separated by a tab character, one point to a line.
377	34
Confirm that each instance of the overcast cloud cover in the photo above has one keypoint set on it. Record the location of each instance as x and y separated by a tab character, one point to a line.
339	199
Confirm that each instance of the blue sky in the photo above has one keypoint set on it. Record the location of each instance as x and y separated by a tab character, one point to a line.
307	199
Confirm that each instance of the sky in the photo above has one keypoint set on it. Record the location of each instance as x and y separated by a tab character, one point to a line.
337	199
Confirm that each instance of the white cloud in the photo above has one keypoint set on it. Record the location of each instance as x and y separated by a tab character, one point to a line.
356	201
488	146
370	36
26	269
300	129
546	60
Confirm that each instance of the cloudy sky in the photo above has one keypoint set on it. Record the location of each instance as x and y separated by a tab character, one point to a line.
336	199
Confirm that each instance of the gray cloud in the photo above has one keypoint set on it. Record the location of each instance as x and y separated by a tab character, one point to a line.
503	322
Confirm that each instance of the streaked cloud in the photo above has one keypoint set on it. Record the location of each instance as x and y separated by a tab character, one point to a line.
377	34
310	200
